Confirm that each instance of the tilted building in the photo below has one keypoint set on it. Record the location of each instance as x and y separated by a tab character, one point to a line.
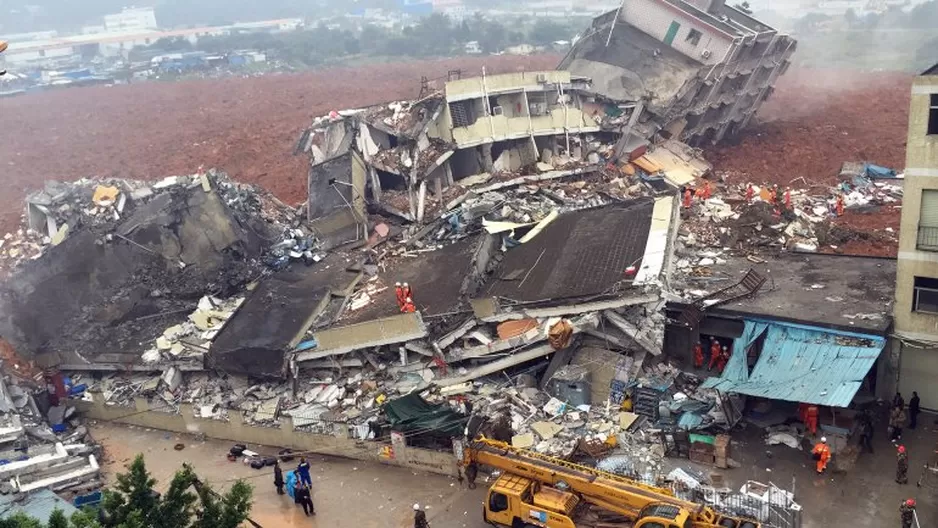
698	70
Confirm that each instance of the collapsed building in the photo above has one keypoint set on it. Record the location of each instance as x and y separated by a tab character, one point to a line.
532	216
694	70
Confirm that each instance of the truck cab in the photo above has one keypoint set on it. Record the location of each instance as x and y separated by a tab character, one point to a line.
520	502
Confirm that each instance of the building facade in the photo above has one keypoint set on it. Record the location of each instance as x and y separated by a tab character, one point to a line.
131	20
916	309
699	69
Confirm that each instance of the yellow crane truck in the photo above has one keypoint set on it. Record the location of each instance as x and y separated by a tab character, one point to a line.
535	490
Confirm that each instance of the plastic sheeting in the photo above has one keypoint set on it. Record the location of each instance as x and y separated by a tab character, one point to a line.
802	364
413	414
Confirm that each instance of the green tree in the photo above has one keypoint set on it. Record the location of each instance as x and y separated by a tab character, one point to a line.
134	495
133	503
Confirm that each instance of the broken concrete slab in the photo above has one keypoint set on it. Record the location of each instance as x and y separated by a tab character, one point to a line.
386	331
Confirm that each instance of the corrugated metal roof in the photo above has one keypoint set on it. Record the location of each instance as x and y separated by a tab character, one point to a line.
803	364
38	504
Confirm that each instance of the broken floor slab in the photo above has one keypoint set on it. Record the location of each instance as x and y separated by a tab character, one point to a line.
276	316
387	331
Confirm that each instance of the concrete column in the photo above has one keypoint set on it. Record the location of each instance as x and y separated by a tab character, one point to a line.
487	163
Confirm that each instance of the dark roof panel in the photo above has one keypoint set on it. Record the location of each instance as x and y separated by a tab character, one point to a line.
580	254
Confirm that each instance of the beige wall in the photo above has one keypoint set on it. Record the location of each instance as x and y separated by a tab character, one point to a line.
235	430
501	127
921	174
473	87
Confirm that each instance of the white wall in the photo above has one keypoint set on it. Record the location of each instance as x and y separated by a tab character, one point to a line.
654	17
131	20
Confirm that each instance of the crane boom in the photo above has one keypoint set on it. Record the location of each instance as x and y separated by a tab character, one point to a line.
608	491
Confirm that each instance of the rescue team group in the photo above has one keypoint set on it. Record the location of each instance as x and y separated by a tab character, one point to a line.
781	201
897	418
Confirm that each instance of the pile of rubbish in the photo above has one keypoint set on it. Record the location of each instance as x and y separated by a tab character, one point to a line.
42	441
745	217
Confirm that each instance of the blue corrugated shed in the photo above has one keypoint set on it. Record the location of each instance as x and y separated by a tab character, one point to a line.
38	504
801	364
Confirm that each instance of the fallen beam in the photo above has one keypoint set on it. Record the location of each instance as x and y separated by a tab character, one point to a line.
552	175
451	337
387	331
480	306
497	365
632	331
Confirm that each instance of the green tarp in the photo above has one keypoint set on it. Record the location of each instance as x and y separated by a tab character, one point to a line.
412	414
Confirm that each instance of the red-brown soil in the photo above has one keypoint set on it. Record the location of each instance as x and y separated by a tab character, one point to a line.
247	127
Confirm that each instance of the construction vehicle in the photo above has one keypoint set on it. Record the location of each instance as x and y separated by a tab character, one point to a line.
536	490
3	47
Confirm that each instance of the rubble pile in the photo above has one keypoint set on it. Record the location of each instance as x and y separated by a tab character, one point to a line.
42	441
731	222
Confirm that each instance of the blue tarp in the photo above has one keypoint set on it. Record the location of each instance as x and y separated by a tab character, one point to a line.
290	479
801	364
875	171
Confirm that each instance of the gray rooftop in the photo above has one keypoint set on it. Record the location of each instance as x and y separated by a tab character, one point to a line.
579	255
823	290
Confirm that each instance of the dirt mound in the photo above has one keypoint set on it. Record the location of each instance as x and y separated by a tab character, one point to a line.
814	122
248	127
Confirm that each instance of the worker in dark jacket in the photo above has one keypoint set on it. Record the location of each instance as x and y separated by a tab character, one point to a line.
302	472
902	466
302	497
420	518
907	510
278	478
914	409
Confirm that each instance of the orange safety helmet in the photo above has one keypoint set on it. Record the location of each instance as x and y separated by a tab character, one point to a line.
910	502
902	449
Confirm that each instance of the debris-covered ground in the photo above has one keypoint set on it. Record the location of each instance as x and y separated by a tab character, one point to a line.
813	122
246	126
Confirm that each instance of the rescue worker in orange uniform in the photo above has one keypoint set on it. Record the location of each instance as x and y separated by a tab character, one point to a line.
407	291
399	294
706	191
811	416
724	359
698	355
714	353
821	453
408	306
749	192
788	198
773	195
688	198
839	208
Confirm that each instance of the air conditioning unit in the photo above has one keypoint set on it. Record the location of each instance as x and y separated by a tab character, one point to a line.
537	109
706	54
542	78
497	110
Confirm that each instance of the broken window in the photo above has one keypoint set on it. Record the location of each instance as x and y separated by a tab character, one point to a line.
461	113
693	36
925	298
933	115
928	221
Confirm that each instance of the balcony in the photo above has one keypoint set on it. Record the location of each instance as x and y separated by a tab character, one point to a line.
927	238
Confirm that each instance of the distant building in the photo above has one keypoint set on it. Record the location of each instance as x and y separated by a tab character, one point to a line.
916	309
472	47
131	20
697	70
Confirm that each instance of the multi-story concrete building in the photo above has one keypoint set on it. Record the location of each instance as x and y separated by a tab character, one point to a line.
916	309
697	69
131	20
